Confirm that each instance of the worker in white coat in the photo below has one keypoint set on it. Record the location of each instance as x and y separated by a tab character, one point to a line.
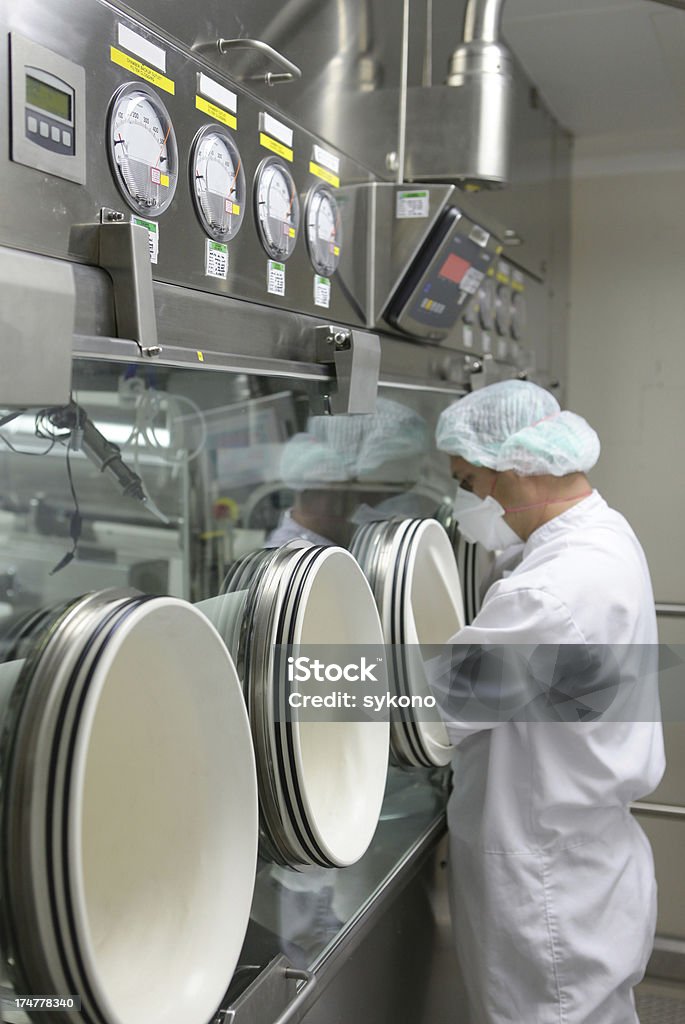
553	888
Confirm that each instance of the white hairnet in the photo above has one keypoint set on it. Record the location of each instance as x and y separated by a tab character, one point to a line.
519	426
387	445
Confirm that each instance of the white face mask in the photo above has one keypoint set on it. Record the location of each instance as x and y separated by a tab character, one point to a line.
481	521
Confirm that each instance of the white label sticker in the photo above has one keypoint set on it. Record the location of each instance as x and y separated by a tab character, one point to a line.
326	159
467	336
276	129
322	291
216	259
142	47
471	280
211	90
152	236
411	204
275	278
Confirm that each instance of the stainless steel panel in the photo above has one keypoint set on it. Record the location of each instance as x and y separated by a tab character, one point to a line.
42	213
37	301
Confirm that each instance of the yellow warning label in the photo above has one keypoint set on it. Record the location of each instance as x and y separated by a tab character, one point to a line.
517	286
502	278
336	250
275	147
235	209
142	70
216	113
324	174
164	180
291	232
201	356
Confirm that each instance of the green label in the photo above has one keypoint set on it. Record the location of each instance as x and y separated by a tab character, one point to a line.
149	224
218	247
413	195
277	266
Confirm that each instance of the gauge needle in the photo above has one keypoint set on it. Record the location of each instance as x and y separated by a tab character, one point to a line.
237	171
161	148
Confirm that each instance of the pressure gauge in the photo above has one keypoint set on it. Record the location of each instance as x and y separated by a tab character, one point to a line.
277	208
217	182
486	304
502	309
518	316
324	235
142	149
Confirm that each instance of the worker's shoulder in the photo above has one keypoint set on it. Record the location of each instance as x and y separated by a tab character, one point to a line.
584	576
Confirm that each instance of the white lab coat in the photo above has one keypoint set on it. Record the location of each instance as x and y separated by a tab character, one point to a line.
553	889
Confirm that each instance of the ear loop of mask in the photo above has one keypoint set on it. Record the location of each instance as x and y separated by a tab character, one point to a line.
538	504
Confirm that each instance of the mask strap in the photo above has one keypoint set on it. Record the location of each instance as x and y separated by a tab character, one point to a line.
550	501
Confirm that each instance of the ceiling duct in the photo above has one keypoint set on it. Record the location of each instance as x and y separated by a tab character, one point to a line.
462	131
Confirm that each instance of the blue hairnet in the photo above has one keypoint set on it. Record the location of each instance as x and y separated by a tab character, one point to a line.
519	426
385	446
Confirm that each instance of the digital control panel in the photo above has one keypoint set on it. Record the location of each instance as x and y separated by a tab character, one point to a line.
443	278
48	110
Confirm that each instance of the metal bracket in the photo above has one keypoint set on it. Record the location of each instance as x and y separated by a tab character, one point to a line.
123	252
263	1000
288	73
356	356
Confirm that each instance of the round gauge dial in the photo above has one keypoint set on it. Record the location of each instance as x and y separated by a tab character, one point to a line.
518	316
502	309
486	304
142	149
324	234
277	208
217	182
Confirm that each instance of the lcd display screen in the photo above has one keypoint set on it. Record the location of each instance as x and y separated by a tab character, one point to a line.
454	268
46	97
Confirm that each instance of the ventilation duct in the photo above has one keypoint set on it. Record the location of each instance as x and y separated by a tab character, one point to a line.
462	131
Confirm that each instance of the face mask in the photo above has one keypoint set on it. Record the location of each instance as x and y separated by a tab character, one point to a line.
481	522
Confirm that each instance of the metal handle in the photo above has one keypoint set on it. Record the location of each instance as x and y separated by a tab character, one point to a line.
309	979
289	71
675	611
658	810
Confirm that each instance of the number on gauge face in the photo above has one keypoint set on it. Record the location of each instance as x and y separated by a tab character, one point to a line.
324	234
277	208
217	182
142	149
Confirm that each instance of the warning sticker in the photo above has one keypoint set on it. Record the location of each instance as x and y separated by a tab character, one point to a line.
216	113
275	147
136	67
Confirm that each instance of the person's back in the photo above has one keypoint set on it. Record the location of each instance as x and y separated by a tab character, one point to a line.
554	709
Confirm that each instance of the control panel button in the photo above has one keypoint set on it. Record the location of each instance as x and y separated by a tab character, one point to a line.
55	132
32	125
66	139
44	129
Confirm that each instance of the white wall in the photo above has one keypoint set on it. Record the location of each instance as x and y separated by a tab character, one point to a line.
626	375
